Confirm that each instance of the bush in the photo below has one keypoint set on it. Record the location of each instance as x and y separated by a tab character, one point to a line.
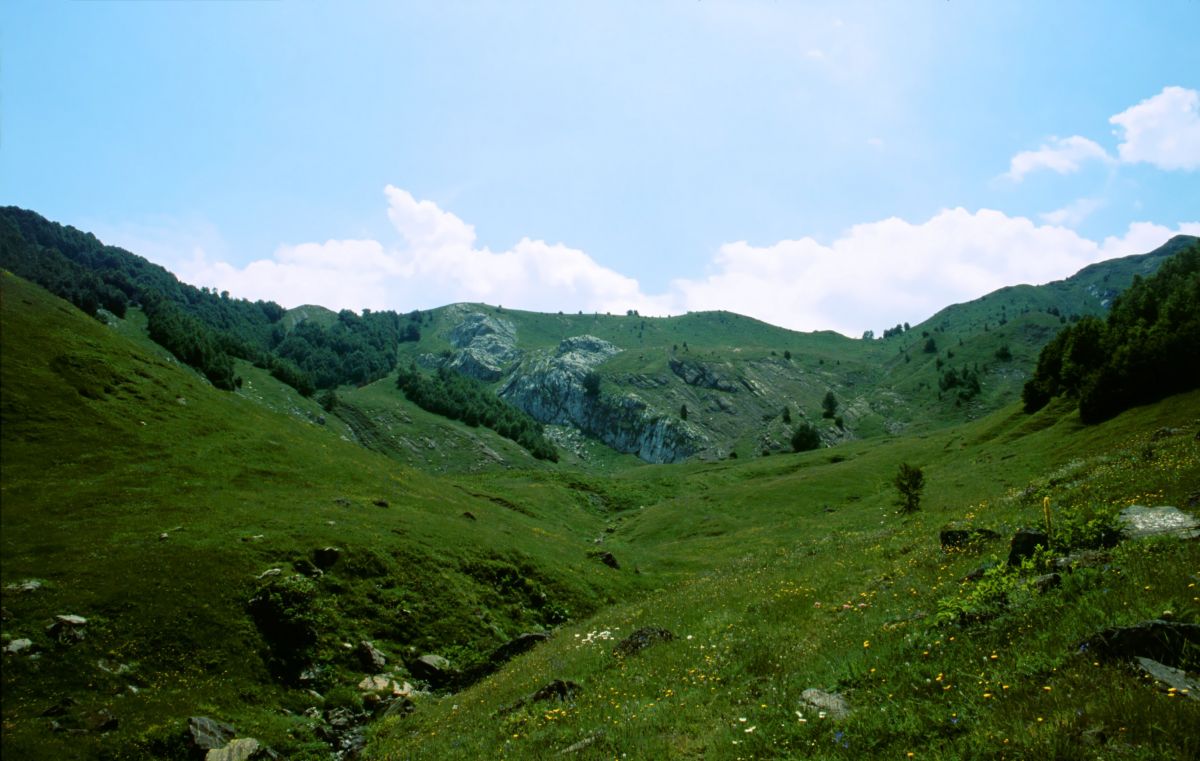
909	481
805	437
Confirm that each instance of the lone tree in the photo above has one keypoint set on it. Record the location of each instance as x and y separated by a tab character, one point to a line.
829	404
683	412
787	415
909	482
805	437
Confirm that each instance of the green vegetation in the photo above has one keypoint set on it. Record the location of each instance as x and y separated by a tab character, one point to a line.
1147	348
909	482
230	549
461	398
805	437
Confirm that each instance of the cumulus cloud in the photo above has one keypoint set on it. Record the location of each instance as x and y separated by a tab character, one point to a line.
1163	130
1062	155
872	276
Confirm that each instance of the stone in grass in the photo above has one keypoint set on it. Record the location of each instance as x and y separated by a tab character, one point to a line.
67	629
1139	522
1172	680
515	647
642	639
242	749
562	690
607	558
1024	543
372	659
431	668
829	705
18	645
205	734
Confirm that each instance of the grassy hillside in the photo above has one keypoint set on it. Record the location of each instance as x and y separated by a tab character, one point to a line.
151	504
794	572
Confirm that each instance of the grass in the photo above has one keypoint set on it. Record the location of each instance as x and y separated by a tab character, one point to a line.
775	574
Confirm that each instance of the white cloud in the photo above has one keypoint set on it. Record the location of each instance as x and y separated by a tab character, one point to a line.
1073	213
815	54
872	276
1163	130
1062	155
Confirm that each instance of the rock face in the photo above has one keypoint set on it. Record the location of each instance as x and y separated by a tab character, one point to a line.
487	347
205	734
550	389
698	374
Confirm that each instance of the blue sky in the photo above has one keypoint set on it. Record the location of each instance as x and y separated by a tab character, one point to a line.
817	165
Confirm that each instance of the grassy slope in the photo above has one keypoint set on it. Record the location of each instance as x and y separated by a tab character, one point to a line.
793	572
106	446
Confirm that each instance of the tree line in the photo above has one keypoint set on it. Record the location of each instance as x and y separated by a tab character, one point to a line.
1147	348
459	397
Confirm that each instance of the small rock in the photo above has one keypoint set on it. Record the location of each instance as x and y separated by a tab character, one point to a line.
269	573
60	708
67	629
163	536
469	515
642	639
371	657
1083	559
103	721
559	689
607	558
205	734
582	744
28	585
834	706
237	750
380	503
1024	543
326	557
18	645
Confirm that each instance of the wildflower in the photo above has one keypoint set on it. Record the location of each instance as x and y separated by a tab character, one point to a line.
866	643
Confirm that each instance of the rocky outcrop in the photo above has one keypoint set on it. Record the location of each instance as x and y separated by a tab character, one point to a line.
487	347
550	388
698	374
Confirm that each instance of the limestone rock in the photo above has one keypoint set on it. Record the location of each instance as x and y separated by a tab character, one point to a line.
1140	522
204	734
1172	679
18	645
236	750
829	705
487	347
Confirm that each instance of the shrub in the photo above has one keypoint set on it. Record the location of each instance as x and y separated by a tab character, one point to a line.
909	482
805	437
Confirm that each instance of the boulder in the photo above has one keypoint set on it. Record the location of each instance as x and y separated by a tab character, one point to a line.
28	585
1024	543
829	705
559	689
1171	679
431	668
1045	582
67	629
1171	643
371	658
205	734
642	639
1139	522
